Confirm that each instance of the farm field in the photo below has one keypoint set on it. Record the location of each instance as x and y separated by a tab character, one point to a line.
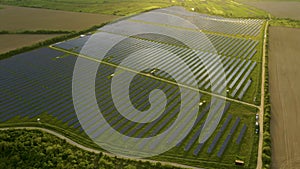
284	63
38	84
45	19
281	9
14	41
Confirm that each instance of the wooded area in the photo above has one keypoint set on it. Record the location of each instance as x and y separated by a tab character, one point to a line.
37	149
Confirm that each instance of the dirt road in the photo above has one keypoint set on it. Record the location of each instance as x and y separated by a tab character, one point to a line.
284	61
262	104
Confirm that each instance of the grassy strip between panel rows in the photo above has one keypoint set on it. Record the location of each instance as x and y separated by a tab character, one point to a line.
48	42
266	155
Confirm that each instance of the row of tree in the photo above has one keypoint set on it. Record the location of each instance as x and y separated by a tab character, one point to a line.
37	32
266	156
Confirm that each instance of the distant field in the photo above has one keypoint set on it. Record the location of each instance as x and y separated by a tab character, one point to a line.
115	7
227	8
20	18
283	9
284	63
10	42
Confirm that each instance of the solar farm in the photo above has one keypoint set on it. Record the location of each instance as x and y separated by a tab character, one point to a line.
38	84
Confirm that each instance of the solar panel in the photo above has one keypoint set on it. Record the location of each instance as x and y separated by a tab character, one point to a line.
242	133
224	145
219	134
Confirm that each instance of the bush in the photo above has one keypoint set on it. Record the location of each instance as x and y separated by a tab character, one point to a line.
267	150
266	159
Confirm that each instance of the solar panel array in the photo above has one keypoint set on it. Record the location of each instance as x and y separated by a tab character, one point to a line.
224	145
30	91
40	81
200	67
29	84
219	134
229	46
251	27
134	30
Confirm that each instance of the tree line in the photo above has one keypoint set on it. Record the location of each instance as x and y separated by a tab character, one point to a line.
266	154
3	32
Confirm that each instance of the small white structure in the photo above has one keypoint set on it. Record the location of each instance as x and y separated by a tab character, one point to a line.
38	120
82	36
193	9
153	71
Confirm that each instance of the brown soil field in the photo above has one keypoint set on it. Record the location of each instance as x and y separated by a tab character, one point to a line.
21	18
285	9
12	41
284	61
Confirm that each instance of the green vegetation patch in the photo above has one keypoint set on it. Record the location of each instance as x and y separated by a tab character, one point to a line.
36	149
285	22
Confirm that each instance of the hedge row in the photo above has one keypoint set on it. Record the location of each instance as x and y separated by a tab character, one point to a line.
48	42
287	22
266	156
36	32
